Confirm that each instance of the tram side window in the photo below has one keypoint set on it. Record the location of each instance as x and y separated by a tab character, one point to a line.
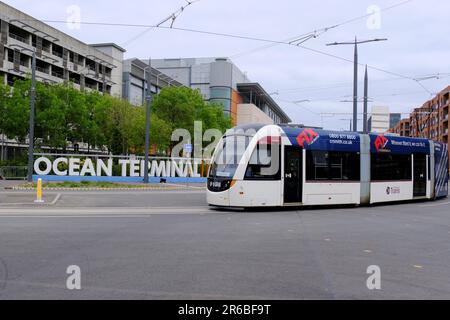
390	167
264	163
330	165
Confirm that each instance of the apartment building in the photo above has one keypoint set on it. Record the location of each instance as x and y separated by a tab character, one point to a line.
431	119
402	128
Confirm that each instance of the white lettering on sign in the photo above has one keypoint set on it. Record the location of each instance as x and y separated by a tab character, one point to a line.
133	168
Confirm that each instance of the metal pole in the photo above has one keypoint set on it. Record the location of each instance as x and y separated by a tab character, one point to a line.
366	92
31	133
148	99
355	88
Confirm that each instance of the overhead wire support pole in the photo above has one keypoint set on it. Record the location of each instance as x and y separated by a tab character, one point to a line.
355	74
366	98
355	88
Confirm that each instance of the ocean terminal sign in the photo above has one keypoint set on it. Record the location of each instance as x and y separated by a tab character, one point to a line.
71	166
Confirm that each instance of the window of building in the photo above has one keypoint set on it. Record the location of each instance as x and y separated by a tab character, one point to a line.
264	163
330	165
220	93
224	102
390	167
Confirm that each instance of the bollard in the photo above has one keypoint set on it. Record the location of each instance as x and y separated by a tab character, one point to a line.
39	192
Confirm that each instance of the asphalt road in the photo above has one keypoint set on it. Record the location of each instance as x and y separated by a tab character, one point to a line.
170	245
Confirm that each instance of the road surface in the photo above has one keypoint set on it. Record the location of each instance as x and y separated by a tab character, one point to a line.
170	245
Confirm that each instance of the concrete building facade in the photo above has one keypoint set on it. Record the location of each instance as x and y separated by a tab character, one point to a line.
134	83
379	119
220	80
59	57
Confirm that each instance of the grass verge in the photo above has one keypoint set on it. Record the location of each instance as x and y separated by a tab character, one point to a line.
84	184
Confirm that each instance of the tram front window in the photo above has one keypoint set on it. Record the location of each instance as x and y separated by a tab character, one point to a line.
228	156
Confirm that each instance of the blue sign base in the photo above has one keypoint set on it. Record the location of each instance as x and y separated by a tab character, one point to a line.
118	179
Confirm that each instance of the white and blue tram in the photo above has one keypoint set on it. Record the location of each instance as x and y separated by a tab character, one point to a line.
272	166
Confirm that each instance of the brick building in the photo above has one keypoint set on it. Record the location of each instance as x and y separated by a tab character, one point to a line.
402	128
431	120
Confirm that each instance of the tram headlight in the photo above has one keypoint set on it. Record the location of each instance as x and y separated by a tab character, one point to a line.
219	185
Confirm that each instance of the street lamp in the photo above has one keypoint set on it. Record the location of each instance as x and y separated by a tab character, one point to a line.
31	124
355	75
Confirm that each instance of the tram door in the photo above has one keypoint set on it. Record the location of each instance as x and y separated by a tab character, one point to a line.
420	175
292	174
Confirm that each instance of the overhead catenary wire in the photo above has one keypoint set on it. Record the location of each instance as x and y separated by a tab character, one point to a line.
316	33
249	38
173	16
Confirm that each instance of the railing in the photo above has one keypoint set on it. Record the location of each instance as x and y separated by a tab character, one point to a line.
13	173
18	38
43	70
58	75
55	53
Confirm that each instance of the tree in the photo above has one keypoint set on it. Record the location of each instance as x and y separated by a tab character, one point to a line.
64	114
15	110
177	106
180	107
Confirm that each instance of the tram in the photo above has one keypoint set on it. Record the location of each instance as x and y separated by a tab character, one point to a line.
275	166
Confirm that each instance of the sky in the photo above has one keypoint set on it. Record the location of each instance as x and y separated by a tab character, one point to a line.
418	45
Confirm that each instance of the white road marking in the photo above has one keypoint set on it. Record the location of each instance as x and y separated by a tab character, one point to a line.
91	289
86	212
435	204
44	204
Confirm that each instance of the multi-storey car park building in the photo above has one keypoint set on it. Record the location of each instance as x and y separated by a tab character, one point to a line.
220	80
59	57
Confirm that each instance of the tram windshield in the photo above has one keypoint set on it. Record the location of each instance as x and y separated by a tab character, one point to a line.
229	154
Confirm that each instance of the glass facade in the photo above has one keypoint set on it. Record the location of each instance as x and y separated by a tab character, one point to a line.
221	95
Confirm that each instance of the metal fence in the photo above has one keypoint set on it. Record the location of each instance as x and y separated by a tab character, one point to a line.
13	173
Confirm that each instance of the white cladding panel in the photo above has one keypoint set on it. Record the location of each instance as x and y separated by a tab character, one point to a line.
247	193
218	198
324	193
391	191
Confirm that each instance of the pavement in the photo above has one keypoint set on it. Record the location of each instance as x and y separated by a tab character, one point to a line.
171	245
